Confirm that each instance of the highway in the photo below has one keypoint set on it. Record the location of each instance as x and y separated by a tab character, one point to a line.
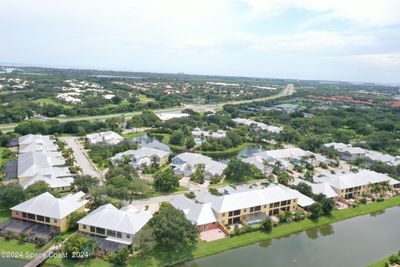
289	90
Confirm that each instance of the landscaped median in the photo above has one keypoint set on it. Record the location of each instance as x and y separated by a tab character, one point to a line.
203	249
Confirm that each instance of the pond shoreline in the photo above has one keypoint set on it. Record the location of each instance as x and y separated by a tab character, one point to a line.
204	249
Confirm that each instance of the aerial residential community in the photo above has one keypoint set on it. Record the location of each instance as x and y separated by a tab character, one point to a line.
200	133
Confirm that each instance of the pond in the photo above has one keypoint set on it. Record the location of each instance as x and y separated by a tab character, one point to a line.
11	262
355	242
150	141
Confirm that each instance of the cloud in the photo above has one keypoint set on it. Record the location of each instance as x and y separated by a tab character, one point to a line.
382	60
362	12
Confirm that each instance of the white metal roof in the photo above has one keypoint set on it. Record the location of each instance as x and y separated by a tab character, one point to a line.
197	213
302	200
47	205
350	180
126	220
251	198
53	182
168	116
108	137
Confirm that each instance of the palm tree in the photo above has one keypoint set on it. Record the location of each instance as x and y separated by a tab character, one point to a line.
266	165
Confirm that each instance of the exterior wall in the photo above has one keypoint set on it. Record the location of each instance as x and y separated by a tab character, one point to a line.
89	230
62	224
210	226
268	209
354	192
164	160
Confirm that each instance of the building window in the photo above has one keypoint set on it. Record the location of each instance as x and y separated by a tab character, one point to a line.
111	233
40	218
258	208
92	229
251	209
236	212
24	215
31	216
100	231
83	226
128	236
47	219
119	235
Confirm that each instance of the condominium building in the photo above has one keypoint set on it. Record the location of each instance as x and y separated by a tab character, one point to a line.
251	207
351	185
49	210
116	225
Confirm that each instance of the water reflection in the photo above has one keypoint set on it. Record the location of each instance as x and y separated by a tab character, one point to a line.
150	141
326	230
323	230
265	243
376	213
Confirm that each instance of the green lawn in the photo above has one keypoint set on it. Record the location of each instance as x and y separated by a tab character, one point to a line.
46	101
144	99
132	135
227	152
19	247
380	263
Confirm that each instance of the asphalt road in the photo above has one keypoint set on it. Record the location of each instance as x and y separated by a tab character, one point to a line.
289	90
81	157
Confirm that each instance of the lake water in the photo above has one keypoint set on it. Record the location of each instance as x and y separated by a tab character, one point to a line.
149	141
246	152
4	262
355	242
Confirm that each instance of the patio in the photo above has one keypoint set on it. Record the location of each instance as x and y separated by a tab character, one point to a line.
211	235
15	226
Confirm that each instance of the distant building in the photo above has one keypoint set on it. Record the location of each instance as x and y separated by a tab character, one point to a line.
351	185
287	157
142	156
197	133
108	138
169	116
348	152
186	163
259	125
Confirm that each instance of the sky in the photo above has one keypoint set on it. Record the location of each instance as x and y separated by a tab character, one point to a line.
344	40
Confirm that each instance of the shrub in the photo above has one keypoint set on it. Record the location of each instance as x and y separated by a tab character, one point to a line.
40	242
236	230
190	195
267	225
214	191
8	235
23	237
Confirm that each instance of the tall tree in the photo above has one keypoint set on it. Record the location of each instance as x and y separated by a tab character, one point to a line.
165	180
171	229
